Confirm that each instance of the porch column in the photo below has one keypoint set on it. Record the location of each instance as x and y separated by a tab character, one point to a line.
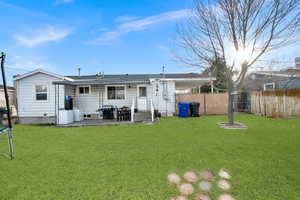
212	86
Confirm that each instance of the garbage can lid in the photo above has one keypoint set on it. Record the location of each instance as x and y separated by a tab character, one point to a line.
183	103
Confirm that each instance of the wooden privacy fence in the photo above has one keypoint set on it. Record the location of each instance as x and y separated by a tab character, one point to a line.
280	103
210	104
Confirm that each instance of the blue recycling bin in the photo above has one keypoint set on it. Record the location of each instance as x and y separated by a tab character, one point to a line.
184	109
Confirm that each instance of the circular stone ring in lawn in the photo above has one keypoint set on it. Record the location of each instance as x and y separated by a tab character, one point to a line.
235	125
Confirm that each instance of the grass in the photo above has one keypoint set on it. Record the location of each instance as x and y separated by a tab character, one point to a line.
131	162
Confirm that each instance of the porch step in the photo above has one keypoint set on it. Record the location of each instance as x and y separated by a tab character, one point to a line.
142	116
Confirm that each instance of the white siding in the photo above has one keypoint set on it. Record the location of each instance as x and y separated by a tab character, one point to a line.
70	91
160	103
11	94
28	106
88	104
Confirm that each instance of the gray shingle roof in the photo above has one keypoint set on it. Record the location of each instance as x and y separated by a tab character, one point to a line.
286	72
104	81
124	78
289	84
137	76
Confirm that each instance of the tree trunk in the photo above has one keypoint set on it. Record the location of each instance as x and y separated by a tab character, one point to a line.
230	104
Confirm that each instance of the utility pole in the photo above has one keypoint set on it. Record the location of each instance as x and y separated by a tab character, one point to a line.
79	69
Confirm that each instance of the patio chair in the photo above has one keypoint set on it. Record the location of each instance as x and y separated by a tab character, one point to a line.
123	114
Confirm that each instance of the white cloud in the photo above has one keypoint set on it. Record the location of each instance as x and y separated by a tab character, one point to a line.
40	36
106	38
125	18
140	24
147	22
111	35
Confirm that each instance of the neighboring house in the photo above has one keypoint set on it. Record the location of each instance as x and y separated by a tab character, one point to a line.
274	80
11	95
41	94
292	83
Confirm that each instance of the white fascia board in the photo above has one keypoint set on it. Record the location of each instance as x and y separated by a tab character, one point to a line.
280	75
41	71
185	79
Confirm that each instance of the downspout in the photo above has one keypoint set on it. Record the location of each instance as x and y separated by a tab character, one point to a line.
55	114
58	104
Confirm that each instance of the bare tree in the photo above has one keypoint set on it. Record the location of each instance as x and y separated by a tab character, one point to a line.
240	32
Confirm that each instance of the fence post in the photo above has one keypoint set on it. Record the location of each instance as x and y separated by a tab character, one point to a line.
204	101
284	102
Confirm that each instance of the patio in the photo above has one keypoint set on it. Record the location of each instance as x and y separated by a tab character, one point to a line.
99	122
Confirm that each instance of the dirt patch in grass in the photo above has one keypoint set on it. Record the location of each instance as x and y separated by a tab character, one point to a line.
236	125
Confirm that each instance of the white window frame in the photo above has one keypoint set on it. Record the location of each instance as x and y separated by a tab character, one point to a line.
79	86
106	92
138	91
269	84
35	93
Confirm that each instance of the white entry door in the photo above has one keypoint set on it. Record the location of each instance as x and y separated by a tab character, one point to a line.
142	98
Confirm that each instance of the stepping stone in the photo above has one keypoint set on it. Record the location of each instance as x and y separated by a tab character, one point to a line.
206	174
226	197
179	198
224	184
186	189
205	185
190	176
224	174
174	178
202	197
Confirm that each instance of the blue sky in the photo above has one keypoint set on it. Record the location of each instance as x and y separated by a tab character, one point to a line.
114	36
110	36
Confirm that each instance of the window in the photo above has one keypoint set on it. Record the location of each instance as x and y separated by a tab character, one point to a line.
269	86
115	92
142	92
41	92
84	90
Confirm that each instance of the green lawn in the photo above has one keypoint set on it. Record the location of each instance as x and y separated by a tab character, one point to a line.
131	162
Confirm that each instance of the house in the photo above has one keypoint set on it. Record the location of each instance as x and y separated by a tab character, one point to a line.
41	95
11	96
274	80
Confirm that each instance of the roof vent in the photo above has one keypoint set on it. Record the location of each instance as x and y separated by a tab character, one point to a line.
99	75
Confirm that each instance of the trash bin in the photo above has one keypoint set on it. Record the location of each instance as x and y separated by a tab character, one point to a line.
184	109
108	112
68	103
194	108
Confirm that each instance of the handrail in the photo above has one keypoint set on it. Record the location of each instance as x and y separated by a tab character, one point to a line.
152	110
132	110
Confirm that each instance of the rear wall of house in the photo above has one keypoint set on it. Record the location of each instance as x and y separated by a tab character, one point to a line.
90	103
163	97
29	109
